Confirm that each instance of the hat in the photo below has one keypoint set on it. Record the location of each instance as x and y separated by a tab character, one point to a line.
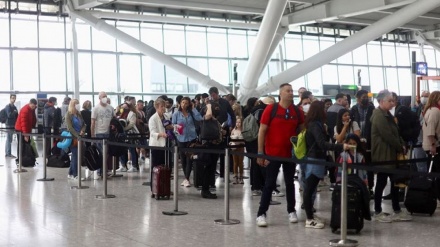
66	100
268	100
52	99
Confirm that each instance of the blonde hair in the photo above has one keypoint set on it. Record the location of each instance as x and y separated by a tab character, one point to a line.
237	110
72	110
158	102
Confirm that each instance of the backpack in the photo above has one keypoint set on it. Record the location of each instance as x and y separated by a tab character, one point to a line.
299	145
57	118
408	122
116	134
3	115
250	128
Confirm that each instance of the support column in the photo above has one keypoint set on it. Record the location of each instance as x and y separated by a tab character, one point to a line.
271	20
146	49
369	33
75	70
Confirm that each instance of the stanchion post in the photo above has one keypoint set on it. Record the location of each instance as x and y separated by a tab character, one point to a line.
344	241
20	153
176	187
79	164
45	161
114	162
104	171
226	220
148	183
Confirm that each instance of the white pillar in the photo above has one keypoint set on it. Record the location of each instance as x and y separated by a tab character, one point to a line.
265	37
75	70
146	49
385	25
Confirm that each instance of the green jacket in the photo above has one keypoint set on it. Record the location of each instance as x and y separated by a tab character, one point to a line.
386	142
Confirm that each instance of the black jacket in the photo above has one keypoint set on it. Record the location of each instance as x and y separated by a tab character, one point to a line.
317	144
225	109
355	116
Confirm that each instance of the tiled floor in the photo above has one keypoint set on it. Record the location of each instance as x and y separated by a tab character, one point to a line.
34	213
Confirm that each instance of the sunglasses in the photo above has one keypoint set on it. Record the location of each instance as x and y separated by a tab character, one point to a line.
287	116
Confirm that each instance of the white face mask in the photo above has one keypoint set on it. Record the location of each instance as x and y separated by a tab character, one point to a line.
424	100
104	100
306	108
78	107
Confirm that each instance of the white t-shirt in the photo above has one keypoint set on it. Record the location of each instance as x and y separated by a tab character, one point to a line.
354	127
102	116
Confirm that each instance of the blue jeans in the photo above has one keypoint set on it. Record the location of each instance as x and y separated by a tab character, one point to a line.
73	169
134	158
270	185
8	141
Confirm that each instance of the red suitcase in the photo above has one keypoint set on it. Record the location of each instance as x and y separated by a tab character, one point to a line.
161	182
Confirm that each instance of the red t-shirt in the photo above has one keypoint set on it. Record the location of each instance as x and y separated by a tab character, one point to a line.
277	140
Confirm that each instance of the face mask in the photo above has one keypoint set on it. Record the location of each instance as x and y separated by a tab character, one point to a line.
424	100
104	100
365	101
78	107
306	108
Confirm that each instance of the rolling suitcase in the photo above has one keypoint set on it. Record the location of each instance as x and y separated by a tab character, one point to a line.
355	216
421	195
161	180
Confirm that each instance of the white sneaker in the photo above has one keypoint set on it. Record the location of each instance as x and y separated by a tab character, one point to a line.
293	218
82	179
121	169
183	183
276	193
261	221
187	183
314	223
70	177
133	169
401	216
383	217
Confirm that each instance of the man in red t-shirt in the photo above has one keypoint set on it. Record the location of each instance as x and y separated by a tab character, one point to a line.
274	140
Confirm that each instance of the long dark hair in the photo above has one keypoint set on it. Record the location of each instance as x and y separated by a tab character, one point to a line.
359	147
339	123
189	106
316	113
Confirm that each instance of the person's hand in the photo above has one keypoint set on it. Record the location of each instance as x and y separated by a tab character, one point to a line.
405	150
262	162
433	150
164	135
26	138
347	147
81	133
346	124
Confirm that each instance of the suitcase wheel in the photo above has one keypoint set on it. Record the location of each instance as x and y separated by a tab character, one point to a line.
152	196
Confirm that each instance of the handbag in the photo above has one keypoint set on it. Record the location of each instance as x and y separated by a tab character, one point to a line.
210	130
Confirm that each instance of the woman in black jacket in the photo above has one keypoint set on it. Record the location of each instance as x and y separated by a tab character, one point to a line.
317	146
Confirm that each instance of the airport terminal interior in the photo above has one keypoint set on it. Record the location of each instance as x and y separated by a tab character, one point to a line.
147	48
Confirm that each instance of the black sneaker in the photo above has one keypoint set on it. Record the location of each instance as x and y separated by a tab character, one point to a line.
208	195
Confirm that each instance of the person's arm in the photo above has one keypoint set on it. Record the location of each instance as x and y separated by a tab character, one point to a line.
383	128
261	139
341	136
232	114
154	129
131	121
356	129
316	129
208	114
92	127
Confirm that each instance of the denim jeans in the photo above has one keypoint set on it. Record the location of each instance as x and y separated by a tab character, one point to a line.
271	177
73	169
134	158
8	141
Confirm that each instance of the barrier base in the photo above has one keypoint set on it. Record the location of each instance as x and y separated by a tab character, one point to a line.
116	175
146	183
174	213
78	187
344	243
46	179
18	170
104	196
227	222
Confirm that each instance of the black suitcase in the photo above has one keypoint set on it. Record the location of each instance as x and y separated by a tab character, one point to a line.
197	173
421	195
58	161
355	215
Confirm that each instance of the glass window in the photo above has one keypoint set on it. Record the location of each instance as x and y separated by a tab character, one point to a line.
201	65
374	53
405	81
219	71
347	58
52	71
22	38
5	80
217	42
85	72
360	55
430	57
314	82
132	29
237	43
389	54
294	50
264	75
346	76
311	46
4	30
252	38
196	41
376	78
330	74
130	73
104	73
151	34
402	52
83	35
176	81
274	68
102	41
392	80
52	34
174	39
25	70
152	73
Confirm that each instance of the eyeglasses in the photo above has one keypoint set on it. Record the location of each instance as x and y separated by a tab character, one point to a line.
287	116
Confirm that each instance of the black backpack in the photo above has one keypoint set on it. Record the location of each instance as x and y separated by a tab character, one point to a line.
3	116
117	134
408	122
28	156
58	161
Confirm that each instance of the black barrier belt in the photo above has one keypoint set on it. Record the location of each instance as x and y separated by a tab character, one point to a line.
121	144
211	149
